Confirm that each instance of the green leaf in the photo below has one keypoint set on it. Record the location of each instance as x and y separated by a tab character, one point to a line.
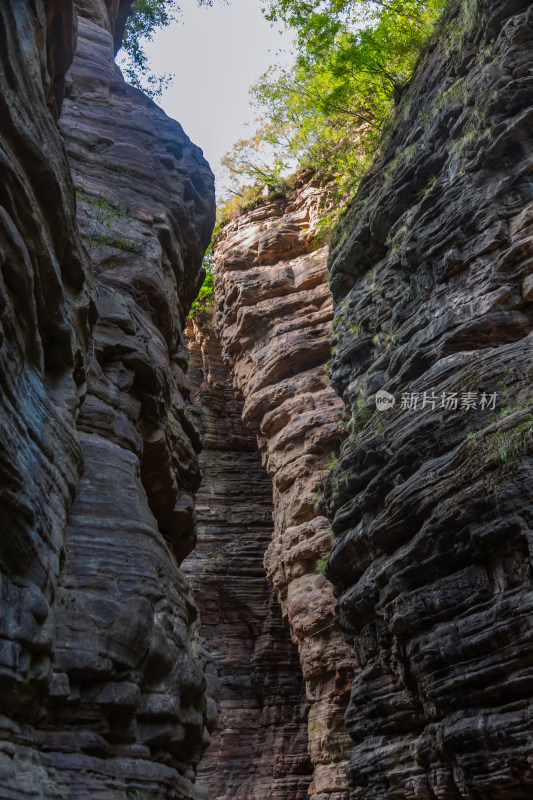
328	110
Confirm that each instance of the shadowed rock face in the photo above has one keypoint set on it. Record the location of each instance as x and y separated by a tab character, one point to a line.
145	208
45	310
274	313
126	634
259	749
102	670
431	506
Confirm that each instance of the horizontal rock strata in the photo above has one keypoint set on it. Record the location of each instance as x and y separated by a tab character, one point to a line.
45	312
259	750
145	204
431	503
105	691
274	313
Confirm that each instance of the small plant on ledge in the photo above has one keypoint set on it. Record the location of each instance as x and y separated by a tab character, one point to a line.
102	220
320	566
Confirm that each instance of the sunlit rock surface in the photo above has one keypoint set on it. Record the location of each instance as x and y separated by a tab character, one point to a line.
274	313
259	749
431	506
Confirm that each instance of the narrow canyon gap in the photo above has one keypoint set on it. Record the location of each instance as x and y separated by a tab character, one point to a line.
113	407
259	749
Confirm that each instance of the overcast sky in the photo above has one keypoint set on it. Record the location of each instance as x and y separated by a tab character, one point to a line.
216	54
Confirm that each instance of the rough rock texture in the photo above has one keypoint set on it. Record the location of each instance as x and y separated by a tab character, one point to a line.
259	749
45	311
102	669
431	506
111	15
274	312
125	620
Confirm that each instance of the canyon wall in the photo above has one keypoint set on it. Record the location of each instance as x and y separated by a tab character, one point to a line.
102	669
107	687
273	315
259	750
431	497
46	307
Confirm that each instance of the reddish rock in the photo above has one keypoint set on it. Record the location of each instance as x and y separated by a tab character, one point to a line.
145	207
274	313
259	749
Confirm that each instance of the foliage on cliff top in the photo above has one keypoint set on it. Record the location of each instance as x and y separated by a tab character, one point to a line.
328	111
146	17
251	196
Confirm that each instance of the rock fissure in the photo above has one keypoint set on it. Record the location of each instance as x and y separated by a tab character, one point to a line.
259	749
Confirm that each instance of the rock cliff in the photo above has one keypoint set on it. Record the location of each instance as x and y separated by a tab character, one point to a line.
107	689
46	308
102	669
259	750
430	500
273	314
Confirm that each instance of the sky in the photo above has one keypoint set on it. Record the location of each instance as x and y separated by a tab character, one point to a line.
216	54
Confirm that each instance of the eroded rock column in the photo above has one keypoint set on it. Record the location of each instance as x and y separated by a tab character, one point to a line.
102	671
274	313
129	667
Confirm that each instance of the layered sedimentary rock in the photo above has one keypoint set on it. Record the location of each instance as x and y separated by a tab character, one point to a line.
102	677
111	15
274	313
259	749
431	498
45	311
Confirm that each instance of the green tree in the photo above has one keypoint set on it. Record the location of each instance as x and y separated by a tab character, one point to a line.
328	110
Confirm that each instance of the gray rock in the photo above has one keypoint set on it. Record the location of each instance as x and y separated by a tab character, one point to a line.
101	667
431	506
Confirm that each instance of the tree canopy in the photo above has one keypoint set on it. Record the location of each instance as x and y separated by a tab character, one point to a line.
327	110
